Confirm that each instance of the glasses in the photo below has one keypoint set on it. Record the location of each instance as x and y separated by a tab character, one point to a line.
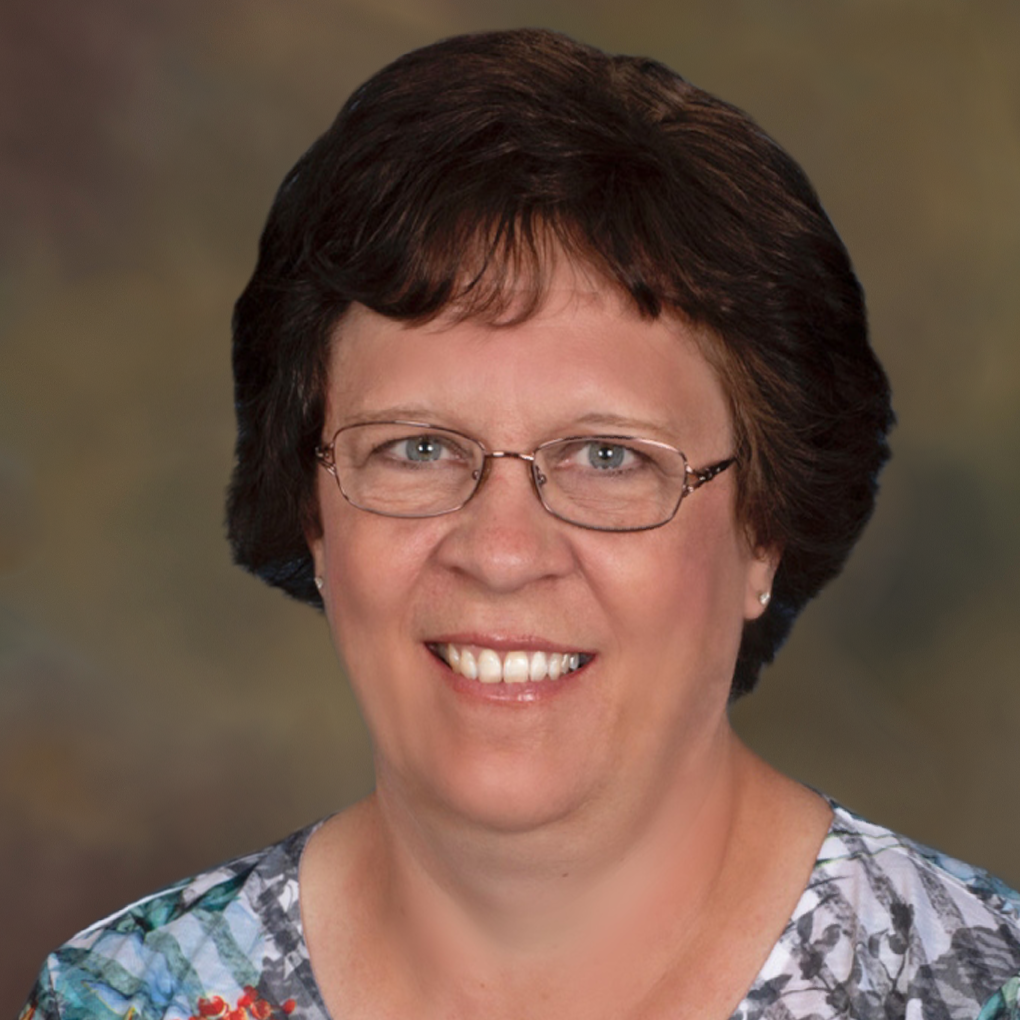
605	483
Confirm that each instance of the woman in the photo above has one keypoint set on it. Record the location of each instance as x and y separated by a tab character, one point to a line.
554	392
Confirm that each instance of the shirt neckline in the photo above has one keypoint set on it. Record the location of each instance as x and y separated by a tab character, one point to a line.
842	822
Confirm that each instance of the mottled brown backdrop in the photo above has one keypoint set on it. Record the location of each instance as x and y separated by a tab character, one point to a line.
160	710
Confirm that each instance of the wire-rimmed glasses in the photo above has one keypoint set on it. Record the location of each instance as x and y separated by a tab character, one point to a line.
602	482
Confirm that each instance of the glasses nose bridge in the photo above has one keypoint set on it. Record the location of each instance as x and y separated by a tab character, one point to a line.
498	454
488	456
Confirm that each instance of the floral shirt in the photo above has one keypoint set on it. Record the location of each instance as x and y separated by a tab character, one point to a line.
885	929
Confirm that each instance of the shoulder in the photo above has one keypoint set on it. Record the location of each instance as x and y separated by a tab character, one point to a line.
883	866
227	941
888	927
952	927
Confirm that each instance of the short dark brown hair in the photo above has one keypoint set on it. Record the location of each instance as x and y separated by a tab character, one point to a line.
438	188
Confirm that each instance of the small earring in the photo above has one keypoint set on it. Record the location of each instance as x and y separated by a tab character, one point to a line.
318	582
765	598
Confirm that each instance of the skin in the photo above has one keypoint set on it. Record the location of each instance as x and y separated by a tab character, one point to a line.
610	848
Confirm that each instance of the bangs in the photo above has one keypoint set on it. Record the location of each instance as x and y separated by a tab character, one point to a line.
497	269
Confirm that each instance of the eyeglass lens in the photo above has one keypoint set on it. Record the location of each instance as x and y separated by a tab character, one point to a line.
609	482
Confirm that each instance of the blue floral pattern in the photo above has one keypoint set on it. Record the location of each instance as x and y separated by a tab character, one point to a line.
885	930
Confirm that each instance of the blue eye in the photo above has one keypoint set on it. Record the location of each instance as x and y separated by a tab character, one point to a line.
423	449
606	456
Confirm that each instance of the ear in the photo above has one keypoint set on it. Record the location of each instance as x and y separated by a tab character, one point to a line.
761	571
316	546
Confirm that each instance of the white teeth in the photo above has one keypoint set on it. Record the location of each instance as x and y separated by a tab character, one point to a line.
490	669
538	667
515	667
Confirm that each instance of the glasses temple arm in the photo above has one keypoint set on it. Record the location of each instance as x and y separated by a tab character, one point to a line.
699	476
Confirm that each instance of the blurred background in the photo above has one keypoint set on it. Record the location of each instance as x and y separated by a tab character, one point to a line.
160	710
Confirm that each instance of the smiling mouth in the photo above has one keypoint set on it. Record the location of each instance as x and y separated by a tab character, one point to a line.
516	667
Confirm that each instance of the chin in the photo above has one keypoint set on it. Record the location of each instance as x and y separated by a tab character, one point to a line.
518	811
505	794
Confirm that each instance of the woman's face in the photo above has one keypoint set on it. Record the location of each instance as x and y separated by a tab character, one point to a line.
656	615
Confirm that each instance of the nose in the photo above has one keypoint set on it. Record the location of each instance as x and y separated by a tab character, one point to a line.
503	538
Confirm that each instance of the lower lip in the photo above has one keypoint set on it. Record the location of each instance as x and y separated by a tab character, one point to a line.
530	692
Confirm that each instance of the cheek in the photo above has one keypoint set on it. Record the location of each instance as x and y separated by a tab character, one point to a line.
678	593
374	569
365	579
372	578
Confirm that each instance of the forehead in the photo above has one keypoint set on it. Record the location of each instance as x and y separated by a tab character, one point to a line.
585	355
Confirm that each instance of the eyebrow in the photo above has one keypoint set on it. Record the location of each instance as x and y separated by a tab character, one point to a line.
423	415
595	419
601	421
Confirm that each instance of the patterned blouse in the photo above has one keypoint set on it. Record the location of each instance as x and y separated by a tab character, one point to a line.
885	929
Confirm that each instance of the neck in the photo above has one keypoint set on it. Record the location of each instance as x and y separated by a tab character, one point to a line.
603	913
570	879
